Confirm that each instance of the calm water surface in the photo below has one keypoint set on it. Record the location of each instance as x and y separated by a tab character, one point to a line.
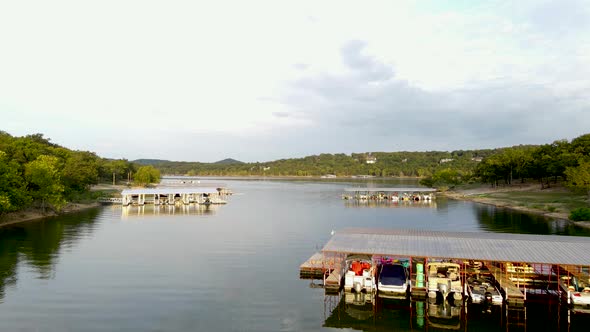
226	268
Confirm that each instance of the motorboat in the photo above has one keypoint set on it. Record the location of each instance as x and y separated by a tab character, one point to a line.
577	293
483	291
360	274
394	281
444	282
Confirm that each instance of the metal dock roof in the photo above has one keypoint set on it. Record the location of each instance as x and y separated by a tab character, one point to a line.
500	247
167	191
416	189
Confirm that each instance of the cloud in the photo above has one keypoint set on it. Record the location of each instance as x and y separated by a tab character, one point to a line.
484	114
273	80
371	69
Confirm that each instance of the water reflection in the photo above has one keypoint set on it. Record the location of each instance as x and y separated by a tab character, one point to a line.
507	221
162	210
343	312
37	244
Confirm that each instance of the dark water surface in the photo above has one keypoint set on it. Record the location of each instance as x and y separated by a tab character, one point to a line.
226	268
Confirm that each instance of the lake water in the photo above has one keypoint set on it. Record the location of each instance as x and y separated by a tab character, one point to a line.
227	268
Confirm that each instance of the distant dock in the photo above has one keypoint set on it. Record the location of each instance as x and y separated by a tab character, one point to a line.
389	194
175	195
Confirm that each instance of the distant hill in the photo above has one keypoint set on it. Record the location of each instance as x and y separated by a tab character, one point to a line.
150	161
228	161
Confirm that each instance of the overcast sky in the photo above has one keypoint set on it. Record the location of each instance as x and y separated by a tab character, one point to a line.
263	80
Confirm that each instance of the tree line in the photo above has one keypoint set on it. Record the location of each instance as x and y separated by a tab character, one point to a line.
561	160
387	164
37	173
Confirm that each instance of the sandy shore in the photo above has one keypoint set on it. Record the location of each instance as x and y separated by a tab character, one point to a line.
37	214
472	195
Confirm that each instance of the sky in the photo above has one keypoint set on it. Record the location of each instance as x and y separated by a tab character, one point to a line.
264	80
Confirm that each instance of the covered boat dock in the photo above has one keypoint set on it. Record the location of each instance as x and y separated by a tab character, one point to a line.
545	253
172	195
389	194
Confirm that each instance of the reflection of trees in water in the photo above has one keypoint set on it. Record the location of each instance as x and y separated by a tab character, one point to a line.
509	221
8	262
38	243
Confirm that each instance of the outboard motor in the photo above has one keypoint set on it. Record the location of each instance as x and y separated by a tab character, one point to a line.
357	287
443	289
487	302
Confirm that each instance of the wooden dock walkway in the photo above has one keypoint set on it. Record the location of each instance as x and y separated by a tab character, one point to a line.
319	266
512	294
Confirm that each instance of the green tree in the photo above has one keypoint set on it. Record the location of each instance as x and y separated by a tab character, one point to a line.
146	175
80	171
578	178
13	191
581	146
44	181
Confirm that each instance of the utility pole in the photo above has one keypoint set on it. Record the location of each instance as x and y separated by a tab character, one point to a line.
113	178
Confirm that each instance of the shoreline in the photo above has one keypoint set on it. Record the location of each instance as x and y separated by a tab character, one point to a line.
36	214
471	195
458	194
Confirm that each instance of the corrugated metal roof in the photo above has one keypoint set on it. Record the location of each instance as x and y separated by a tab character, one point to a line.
501	247
422	190
167	191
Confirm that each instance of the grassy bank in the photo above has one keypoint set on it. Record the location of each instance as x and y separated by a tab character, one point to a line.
554	202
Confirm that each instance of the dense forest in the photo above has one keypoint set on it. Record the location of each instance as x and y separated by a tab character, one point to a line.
385	164
37	173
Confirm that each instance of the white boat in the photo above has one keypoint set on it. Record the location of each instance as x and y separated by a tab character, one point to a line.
444	282
394	281
360	274
577	293
483	291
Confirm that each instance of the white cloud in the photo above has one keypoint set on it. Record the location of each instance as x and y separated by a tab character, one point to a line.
259	79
